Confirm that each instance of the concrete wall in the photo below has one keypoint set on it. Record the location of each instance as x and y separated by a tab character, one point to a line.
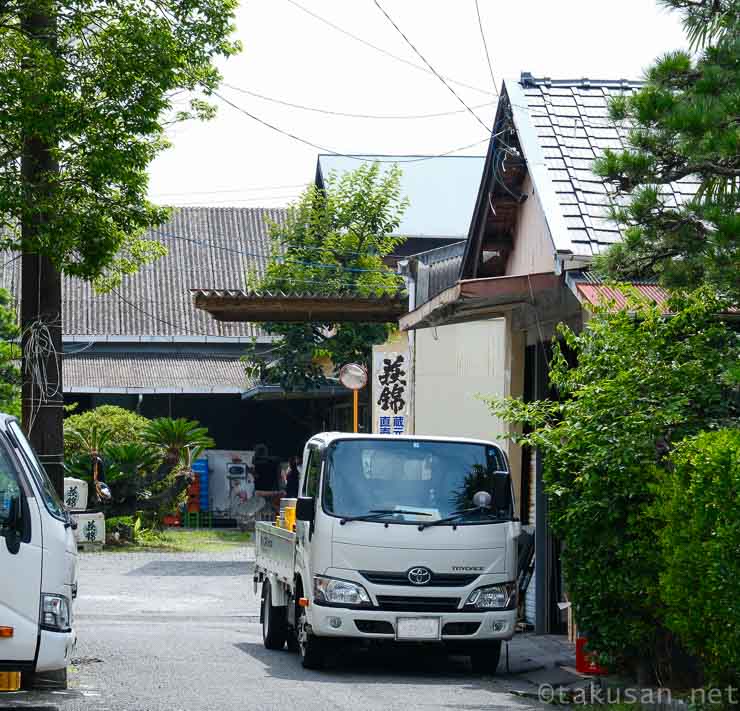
533	249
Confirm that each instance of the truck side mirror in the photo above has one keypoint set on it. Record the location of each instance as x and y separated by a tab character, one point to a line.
502	492
14	525
305	508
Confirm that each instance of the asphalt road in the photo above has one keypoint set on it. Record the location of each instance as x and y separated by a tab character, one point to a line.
171	632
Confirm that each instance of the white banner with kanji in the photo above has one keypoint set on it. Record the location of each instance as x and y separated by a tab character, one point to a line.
391	392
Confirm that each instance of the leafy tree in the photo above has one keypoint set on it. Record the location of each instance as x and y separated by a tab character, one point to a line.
642	383
333	242
684	122
102	426
10	375
86	88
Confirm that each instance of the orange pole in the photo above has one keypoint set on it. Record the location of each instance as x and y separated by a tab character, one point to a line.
356	408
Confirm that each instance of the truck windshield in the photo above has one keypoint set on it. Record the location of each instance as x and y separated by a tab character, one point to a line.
426	480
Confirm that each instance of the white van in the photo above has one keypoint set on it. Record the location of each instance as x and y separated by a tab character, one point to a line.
38	566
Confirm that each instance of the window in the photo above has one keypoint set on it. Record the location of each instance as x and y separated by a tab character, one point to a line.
313	473
9	485
49	495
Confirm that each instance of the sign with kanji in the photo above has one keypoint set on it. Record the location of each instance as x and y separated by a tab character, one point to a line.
391	392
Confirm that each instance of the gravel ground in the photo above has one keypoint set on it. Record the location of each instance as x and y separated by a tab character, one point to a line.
171	632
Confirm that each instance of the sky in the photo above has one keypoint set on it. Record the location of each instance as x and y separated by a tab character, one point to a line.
291	56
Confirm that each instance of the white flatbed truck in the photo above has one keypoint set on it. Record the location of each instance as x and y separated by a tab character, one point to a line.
398	539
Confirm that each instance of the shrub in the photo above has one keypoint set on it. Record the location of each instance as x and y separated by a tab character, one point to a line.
642	383
700	586
121	426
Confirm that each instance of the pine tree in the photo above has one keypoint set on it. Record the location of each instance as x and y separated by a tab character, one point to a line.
685	124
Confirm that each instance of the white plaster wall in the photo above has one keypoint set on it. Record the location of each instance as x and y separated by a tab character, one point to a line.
453	364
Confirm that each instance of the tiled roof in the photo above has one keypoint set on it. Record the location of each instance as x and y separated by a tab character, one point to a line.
569	121
207	247
154	373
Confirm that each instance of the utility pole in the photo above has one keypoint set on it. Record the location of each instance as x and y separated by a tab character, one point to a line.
41	284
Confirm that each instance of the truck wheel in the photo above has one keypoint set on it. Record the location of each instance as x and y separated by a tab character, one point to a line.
274	627
485	659
311	648
45	681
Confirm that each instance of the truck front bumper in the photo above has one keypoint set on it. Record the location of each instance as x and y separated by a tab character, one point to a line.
369	623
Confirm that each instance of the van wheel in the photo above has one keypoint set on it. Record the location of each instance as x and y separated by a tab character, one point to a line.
311	648
485	659
274	626
55	680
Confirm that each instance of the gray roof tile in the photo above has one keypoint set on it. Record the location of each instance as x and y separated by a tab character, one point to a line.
207	247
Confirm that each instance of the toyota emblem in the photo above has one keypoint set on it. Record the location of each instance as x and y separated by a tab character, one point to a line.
419	576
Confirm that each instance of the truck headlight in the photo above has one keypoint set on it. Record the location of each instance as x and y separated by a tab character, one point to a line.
493	597
330	591
55	613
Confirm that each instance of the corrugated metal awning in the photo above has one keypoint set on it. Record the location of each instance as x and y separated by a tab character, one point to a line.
154	373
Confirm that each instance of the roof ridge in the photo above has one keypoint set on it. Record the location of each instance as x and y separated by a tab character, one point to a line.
527	79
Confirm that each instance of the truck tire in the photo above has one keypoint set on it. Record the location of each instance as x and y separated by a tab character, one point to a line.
485	658
45	681
274	623
312	649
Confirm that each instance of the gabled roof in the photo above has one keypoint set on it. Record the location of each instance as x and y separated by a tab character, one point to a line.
441	189
561	127
207	247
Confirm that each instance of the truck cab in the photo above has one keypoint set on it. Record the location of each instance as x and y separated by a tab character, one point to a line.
38	565
399	539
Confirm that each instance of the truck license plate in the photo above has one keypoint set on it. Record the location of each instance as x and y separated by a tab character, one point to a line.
417	628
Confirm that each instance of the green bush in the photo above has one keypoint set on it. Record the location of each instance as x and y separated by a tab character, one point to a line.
122	427
642	384
700	586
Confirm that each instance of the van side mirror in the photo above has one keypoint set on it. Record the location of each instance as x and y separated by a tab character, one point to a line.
305	508
502	502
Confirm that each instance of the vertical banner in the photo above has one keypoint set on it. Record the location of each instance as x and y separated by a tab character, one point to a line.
391	391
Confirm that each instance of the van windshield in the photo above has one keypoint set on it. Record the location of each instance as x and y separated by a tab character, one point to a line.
424	481
49	494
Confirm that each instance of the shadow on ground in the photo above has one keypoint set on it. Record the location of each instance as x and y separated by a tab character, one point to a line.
193	568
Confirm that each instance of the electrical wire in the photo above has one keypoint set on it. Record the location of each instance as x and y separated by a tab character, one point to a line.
485	46
380	49
363	159
259	255
431	68
345	114
232	190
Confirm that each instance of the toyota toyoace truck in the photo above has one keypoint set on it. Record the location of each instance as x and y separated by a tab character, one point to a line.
398	539
38	566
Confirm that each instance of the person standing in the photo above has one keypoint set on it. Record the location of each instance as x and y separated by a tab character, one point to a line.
292	478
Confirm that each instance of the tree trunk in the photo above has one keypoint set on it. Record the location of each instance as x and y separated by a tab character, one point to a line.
41	287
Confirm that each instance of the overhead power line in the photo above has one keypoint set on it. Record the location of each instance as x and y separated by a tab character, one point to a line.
431	68
380	49
485	46
252	189
323	149
347	114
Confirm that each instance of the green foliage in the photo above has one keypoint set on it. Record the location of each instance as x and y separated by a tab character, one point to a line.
103	426
333	242
10	375
180	440
642	383
98	85
684	122
700	504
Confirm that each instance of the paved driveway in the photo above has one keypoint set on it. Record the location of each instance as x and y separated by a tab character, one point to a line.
169	632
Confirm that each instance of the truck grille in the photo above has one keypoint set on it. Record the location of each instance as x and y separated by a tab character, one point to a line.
440	580
398	603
